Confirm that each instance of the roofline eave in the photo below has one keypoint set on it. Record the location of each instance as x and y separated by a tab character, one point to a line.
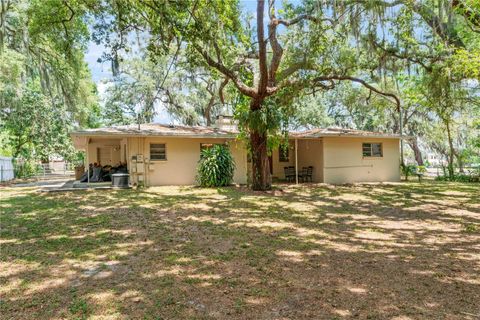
142	135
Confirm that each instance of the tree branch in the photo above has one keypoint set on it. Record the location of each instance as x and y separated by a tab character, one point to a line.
363	83
220	90
440	28
246	90
303	17
262	51
394	52
276	47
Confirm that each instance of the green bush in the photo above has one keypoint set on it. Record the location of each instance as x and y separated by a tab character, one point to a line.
460	178
215	167
421	169
408	170
472	176
25	169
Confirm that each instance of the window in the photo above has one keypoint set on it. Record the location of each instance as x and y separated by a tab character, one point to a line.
158	151
204	146
283	153
372	150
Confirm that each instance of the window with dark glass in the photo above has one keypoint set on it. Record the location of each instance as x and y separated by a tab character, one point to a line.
283	154
372	150
158	151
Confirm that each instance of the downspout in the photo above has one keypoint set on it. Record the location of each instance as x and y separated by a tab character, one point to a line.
296	161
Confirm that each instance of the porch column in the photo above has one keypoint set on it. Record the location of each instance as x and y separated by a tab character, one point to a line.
296	161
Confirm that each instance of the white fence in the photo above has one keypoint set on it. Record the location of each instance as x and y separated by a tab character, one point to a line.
6	169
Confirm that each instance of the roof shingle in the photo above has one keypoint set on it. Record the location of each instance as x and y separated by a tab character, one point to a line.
155	129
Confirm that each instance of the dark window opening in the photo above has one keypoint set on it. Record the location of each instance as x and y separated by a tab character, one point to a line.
372	150
158	151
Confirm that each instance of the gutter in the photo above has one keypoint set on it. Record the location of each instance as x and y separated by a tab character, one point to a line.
133	135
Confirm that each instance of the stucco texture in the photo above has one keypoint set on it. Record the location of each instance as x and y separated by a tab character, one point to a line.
182	154
344	162
335	160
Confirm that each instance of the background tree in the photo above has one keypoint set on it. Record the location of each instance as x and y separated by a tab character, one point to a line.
142	87
45	86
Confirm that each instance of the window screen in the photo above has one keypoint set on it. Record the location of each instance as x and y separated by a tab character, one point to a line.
158	151
372	150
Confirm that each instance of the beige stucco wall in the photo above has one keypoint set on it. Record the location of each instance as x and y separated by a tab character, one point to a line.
310	153
183	154
277	166
344	162
335	159
112	144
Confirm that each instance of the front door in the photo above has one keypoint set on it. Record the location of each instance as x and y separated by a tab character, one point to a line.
270	164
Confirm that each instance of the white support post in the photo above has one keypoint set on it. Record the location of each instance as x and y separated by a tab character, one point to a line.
88	166
296	161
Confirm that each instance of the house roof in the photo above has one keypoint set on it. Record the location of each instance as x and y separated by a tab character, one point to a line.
155	129
340	132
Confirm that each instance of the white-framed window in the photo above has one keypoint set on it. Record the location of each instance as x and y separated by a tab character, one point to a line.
158	151
372	150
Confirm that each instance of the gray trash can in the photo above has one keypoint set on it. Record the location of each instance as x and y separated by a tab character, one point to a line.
120	180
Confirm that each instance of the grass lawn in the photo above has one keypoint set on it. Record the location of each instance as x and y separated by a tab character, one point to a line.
404	251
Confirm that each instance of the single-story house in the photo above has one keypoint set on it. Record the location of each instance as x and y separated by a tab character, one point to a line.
157	154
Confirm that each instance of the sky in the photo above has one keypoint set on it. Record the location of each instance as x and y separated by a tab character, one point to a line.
101	71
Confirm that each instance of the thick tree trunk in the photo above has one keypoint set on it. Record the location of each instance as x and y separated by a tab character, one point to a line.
261	177
416	151
460	163
208	111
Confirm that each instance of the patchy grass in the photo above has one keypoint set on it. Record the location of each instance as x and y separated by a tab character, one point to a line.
400	251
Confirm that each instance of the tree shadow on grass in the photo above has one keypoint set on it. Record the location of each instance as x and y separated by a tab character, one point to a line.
308	252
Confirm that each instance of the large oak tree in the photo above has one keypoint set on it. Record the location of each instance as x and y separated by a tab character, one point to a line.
269	59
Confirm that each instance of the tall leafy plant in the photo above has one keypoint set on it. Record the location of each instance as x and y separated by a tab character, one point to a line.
215	167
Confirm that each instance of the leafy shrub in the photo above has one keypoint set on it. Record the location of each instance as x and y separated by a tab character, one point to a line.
408	170
215	167
464	178
421	169
473	176
25	169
